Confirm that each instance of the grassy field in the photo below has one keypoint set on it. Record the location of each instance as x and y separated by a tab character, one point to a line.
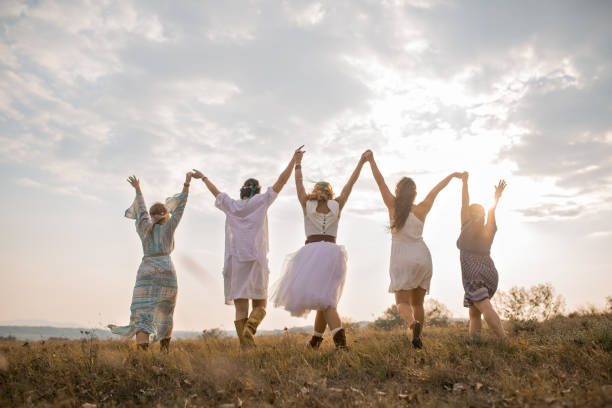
564	362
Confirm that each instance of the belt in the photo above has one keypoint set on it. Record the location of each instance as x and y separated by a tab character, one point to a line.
318	238
155	255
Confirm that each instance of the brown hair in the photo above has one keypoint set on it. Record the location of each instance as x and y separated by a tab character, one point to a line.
405	192
322	191
158	208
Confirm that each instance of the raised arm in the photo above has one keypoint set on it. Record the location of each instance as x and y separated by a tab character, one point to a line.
299	181
422	209
499	189
465	198
284	176
134	182
138	210
188	177
386	194
177	213
211	187
346	191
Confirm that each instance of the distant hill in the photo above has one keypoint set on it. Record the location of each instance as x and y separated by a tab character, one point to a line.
34	333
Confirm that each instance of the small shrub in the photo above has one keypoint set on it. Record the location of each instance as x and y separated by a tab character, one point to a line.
389	320
539	302
436	313
215	333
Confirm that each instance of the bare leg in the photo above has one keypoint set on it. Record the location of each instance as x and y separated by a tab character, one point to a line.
320	322
259	303
417	297
402	300
475	322
491	317
332	317
242	308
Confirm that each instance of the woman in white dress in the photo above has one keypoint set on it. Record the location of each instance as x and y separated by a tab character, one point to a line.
245	268
313	277
410	266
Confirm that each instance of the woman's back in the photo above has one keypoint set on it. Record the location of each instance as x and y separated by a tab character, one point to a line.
412	230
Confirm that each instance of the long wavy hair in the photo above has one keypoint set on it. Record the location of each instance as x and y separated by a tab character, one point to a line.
322	191
405	192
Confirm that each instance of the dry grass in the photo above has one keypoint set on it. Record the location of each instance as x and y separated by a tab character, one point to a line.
558	363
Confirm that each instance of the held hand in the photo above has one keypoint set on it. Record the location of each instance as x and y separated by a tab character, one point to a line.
457	175
134	182
188	176
197	174
367	156
464	176
298	154
499	189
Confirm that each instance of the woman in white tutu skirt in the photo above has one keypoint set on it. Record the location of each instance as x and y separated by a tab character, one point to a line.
313	277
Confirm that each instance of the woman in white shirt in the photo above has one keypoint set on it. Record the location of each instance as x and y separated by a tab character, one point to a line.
245	268
313	277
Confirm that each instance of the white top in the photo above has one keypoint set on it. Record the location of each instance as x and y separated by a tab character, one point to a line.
246	226
411	231
316	223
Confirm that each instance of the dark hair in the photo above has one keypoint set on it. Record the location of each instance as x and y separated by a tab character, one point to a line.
250	188
405	192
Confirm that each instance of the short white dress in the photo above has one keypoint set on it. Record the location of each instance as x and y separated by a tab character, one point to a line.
313	277
245	267
410	265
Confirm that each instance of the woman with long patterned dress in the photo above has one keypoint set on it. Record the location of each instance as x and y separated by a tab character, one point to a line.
154	296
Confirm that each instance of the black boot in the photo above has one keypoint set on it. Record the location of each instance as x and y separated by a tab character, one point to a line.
315	342
340	340
417	328
164	345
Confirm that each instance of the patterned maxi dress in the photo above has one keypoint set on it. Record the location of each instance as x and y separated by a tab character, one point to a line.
155	291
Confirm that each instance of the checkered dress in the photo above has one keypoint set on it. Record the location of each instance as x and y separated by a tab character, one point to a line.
479	277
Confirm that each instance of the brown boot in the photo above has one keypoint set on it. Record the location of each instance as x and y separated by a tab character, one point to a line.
315	342
164	345
240	330
417	328
250	328
340	340
143	346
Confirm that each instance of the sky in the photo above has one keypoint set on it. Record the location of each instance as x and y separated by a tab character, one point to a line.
94	91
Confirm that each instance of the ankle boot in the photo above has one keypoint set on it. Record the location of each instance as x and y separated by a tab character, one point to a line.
315	342
417	328
164	345
143	346
250	328
240	330
340	340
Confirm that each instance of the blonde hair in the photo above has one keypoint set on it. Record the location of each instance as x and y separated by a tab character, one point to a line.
322	191
405	193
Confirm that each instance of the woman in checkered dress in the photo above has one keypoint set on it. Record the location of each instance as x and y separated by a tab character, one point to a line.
478	271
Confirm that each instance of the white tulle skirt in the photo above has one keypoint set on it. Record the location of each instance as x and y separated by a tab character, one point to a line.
312	279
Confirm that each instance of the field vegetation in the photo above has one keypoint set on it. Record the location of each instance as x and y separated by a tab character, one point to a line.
560	362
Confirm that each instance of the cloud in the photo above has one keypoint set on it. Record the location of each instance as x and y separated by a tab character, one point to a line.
107	89
554	211
599	234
